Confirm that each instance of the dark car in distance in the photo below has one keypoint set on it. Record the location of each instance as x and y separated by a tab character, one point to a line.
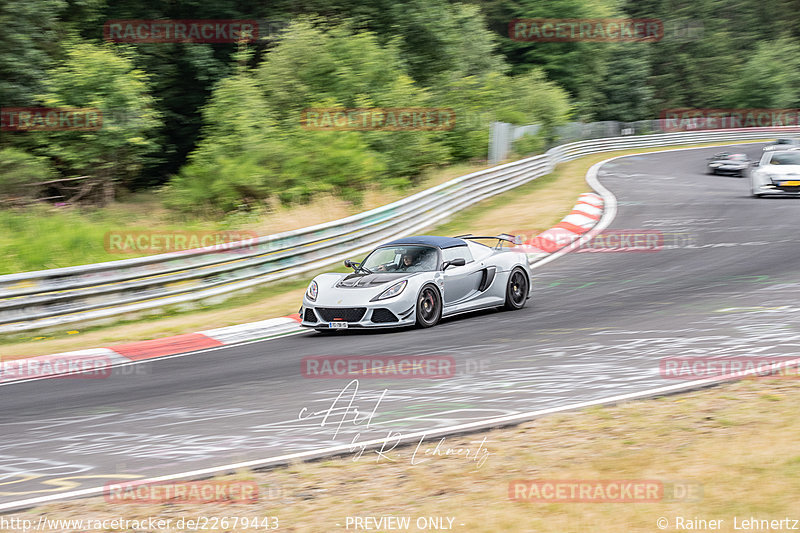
728	163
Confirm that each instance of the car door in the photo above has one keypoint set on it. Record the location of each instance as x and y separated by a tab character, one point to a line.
460	281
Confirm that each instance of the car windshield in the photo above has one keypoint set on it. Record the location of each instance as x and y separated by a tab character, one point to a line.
730	157
785	158
402	259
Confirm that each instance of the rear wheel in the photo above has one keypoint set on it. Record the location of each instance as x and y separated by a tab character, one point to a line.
429	307
516	290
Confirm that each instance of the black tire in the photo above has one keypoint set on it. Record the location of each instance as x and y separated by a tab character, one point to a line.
516	290
429	307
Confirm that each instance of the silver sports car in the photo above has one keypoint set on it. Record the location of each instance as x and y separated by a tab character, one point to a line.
419	280
778	173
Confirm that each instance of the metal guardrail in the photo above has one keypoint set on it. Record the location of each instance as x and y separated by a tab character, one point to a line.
46	298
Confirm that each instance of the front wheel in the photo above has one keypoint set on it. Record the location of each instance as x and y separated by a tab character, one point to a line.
429	307
516	290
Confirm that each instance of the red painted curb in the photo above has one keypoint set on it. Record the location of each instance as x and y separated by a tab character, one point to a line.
571	227
584	214
589	203
189	342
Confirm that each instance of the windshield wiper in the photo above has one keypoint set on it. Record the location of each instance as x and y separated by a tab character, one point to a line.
365	269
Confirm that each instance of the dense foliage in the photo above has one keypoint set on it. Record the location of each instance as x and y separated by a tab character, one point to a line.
217	126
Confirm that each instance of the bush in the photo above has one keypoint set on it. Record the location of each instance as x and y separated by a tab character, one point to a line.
18	170
529	145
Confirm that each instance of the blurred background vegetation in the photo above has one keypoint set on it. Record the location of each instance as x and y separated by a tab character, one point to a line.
213	130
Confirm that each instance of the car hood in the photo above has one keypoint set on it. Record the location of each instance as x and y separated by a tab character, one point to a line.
362	280
774	147
729	162
782	172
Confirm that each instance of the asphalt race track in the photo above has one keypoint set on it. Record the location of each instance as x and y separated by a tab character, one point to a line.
726	282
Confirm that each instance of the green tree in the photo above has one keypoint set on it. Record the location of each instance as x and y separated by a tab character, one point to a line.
478	101
238	153
771	76
708	69
28	43
575	66
318	65
101	78
624	92
442	40
244	157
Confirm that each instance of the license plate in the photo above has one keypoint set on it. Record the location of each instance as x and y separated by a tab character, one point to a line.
790	183
337	325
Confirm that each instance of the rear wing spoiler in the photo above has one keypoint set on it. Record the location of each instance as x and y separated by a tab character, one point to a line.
503	237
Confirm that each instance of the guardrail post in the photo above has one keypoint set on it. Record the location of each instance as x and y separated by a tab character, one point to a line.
499	142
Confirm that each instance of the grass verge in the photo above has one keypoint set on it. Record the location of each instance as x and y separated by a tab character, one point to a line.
737	443
529	209
45	237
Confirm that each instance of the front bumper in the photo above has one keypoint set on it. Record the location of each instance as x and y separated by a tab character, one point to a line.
372	315
777	189
729	169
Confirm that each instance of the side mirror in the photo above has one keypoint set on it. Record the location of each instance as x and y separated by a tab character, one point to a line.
350	264
459	262
755	163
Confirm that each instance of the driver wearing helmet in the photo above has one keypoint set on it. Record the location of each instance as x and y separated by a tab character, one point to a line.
409	260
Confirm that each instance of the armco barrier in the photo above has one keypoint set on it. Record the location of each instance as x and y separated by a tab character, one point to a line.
47	298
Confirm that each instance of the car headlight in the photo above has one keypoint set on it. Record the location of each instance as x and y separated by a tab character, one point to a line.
715	165
313	290
392	291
